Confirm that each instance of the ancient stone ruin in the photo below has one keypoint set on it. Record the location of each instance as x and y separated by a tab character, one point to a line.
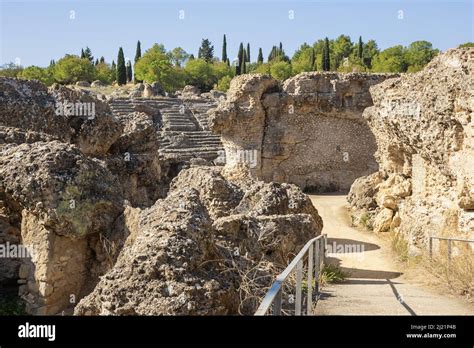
85	188
181	124
125	209
309	131
424	130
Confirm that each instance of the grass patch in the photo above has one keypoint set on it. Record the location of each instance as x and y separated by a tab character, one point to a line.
457	275
399	245
365	220
332	274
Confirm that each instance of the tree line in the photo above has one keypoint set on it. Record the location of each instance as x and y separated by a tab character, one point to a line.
177	68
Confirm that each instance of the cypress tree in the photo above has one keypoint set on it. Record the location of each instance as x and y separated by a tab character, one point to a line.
128	69
121	69
113	66
244	66
272	54
326	55
228	62
224	50
260	56
138	55
312	60
102	59
138	52
248	52
191	57
361	47
240	56
82	54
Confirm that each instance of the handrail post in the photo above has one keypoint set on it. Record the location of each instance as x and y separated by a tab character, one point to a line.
299	278
323	250
277	304
317	266
309	301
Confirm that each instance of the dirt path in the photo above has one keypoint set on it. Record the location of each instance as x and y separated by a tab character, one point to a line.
376	284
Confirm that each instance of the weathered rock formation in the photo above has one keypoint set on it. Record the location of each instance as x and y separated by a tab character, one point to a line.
62	188
424	128
192	252
80	188
309	132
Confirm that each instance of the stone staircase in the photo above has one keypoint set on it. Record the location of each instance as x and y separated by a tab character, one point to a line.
184	133
121	106
199	110
191	144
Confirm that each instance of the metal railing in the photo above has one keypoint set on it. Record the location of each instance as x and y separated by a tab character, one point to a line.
450	247
315	249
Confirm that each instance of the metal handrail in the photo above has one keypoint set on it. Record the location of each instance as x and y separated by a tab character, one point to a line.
450	240
315	248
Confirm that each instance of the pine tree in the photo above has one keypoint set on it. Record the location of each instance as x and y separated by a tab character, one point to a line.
361	48
206	51
138	52
224	50
121	69
128	69
260	56
88	54
248	52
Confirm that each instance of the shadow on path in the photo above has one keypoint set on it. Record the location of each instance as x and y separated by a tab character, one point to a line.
400	298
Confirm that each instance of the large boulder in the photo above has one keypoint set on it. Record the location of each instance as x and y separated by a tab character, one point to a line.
70	193
209	247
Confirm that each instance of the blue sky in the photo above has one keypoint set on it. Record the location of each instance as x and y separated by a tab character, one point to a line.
37	31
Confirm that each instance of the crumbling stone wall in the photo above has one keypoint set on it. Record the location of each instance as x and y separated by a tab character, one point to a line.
309	131
423	125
